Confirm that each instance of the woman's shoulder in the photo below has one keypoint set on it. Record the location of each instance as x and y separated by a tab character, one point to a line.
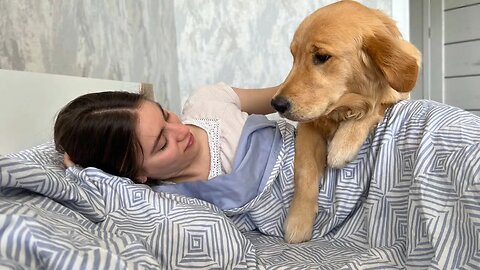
220	92
216	101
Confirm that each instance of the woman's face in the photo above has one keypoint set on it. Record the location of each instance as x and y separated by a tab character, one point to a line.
169	148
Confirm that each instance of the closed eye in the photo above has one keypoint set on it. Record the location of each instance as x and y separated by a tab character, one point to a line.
166	116
164	146
319	58
162	136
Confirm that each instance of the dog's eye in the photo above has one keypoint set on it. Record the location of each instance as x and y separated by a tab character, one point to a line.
319	58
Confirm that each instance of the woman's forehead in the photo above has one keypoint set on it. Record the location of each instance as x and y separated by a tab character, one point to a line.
150	119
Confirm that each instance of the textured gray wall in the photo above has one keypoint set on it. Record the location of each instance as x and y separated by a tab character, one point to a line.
244	43
120	40
175	45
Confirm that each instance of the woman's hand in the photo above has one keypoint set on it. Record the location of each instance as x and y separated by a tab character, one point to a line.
67	161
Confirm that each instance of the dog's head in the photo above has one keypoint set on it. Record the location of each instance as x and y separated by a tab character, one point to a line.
346	48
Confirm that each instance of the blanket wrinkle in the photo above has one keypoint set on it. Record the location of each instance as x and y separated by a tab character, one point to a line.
72	191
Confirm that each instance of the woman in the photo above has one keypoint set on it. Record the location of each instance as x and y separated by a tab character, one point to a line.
128	135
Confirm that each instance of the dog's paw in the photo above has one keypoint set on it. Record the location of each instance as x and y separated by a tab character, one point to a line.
297	230
298	226
339	156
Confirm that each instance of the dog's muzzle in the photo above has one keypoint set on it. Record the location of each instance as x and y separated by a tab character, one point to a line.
281	104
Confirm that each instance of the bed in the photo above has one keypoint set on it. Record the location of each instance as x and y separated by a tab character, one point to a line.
410	200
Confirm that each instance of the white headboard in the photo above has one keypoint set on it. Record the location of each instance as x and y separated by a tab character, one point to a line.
29	103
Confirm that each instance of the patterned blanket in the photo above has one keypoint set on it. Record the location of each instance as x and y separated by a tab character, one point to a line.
411	200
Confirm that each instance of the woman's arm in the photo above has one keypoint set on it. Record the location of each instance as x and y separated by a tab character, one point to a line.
256	101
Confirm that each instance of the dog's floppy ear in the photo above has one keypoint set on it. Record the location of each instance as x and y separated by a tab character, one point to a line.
396	58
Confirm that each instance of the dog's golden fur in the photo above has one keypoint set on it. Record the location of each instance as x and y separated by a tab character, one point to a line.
350	65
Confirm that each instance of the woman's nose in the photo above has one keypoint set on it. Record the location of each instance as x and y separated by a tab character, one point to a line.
179	130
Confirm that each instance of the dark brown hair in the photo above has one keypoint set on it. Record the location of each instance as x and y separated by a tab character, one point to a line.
98	130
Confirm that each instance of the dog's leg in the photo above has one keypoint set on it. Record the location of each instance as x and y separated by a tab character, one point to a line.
310	160
348	140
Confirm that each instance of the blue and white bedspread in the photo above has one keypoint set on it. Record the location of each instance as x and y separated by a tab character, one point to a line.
410	200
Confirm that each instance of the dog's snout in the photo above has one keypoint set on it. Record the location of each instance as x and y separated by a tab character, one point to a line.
281	104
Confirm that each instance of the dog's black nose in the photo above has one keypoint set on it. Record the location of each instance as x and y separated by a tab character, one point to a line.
281	104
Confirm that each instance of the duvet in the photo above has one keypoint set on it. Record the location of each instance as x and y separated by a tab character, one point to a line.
411	200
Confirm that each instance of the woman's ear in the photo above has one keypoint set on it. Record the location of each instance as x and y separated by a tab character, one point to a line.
67	161
141	179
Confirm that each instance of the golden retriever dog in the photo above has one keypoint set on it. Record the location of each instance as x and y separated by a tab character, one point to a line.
350	64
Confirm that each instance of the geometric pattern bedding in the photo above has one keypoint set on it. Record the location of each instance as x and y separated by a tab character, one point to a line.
410	200
89	220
